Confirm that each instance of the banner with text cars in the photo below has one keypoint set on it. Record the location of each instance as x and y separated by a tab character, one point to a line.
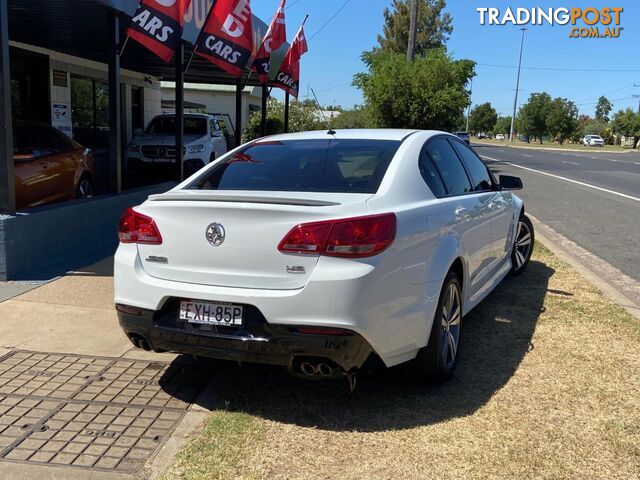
274	38
157	25
288	76
227	37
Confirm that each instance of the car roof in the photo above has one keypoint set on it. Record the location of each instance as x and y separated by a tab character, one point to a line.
352	134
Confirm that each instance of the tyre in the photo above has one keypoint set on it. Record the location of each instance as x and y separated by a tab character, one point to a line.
85	187
437	361
523	245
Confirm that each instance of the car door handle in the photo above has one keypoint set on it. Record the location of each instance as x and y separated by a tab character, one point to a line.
461	213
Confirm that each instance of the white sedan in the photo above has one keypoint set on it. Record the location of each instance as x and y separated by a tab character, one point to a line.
319	250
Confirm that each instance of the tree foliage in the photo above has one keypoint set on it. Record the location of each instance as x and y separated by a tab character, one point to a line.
303	116
482	118
428	93
627	123
561	120
532	117
502	125
358	117
603	109
433	26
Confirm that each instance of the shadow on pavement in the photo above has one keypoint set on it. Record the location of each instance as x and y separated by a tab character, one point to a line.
496	337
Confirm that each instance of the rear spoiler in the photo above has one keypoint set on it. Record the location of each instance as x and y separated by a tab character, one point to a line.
201	196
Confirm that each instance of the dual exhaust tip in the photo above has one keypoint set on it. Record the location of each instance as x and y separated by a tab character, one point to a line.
312	369
140	342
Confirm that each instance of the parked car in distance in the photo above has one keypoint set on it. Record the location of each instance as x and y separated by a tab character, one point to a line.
204	141
464	136
593	141
49	166
500	136
316	251
481	135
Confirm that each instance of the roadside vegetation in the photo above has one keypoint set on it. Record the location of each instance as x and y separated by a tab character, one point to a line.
548	386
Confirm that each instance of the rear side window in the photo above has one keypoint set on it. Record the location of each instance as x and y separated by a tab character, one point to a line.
448	164
476	167
341	166
431	175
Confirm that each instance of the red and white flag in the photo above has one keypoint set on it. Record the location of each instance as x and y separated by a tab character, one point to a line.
288	76
226	39
274	38
157	25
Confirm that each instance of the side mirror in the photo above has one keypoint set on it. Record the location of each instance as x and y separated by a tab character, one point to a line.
507	182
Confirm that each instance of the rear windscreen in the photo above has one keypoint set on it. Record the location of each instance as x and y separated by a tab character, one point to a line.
340	166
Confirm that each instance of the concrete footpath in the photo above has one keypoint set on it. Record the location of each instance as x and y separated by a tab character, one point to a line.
77	400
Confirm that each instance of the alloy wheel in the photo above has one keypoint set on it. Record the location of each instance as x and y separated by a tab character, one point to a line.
450	326
522	248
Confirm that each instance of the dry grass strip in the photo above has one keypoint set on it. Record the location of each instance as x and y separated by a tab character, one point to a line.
548	386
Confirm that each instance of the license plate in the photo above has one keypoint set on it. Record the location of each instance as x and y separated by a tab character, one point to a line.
163	160
209	313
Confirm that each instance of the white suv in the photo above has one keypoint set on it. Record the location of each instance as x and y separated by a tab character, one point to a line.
204	141
593	141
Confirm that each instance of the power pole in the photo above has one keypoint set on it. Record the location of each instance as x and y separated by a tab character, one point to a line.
413	25
637	96
515	100
469	107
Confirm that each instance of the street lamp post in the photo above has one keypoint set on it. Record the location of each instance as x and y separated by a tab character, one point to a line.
515	100
469	107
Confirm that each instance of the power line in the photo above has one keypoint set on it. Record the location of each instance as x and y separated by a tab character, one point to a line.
329	21
612	100
335	86
551	69
291	4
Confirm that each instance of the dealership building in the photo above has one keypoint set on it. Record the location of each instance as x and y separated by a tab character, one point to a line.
67	63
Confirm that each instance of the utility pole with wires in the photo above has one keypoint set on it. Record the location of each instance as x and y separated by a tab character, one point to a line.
413	26
637	96
515	100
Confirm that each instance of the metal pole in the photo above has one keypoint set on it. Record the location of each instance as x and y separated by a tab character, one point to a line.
263	111
286	112
179	111
7	180
469	107
238	112
115	114
413	22
515	100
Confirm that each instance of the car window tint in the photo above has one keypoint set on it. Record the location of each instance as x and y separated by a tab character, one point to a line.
431	175
38	140
344	166
476	167
448	164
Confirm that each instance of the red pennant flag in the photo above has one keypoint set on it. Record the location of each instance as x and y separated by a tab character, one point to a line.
289	74
157	25
227	37
274	38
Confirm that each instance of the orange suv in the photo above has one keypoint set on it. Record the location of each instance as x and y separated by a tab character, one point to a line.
49	166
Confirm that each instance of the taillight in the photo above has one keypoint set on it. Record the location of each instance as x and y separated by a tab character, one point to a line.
350	237
135	227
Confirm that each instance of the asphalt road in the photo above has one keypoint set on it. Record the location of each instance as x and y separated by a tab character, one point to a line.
591	198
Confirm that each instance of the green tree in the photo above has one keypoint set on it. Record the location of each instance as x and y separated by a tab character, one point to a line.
502	125
561	119
433	26
627	123
482	118
603	109
532	117
356	118
303	116
428	93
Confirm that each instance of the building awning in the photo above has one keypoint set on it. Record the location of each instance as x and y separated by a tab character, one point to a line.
79	28
171	104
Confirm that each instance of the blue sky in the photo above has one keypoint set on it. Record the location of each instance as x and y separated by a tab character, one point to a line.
334	54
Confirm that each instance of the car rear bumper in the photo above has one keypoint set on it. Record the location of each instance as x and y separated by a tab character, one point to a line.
256	341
